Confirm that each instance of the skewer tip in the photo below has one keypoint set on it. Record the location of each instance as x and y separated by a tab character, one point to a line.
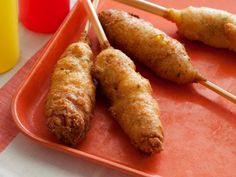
229	96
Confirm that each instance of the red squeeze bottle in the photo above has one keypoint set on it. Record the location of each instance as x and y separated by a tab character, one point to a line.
43	15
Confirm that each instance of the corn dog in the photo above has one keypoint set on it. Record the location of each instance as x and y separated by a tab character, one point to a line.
142	41
71	97
132	104
213	27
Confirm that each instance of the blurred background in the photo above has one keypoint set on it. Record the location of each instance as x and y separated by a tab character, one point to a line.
29	43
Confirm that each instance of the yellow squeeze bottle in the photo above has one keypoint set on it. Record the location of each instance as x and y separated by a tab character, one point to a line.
9	40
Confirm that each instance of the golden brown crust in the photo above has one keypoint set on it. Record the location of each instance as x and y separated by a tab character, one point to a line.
205	24
230	32
132	104
71	97
140	40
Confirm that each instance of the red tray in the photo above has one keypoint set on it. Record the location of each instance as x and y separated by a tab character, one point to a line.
200	126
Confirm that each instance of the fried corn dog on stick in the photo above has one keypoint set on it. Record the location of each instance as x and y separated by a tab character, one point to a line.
213	27
130	95
71	97
132	103
142	41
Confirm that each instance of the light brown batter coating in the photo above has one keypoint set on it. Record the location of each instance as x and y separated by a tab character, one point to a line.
142	41
132	103
71	97
213	27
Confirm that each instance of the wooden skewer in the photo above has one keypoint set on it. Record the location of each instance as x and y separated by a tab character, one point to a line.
147	6
218	90
88	24
92	15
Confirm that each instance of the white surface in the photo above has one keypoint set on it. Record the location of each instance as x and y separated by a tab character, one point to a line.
24	158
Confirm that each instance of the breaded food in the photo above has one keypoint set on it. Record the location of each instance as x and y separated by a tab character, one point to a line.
142	41
71	97
132	103
213	27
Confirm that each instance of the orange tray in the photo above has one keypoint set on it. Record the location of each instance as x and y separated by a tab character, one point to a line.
200	126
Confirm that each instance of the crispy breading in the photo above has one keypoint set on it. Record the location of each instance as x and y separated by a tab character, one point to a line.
71	97
142	41
132	103
213	27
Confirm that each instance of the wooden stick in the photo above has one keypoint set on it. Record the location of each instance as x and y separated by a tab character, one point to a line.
92	15
147	6
88	24
219	90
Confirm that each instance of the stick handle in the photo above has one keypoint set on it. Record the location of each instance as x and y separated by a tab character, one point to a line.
218	90
92	15
88	24
145	5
